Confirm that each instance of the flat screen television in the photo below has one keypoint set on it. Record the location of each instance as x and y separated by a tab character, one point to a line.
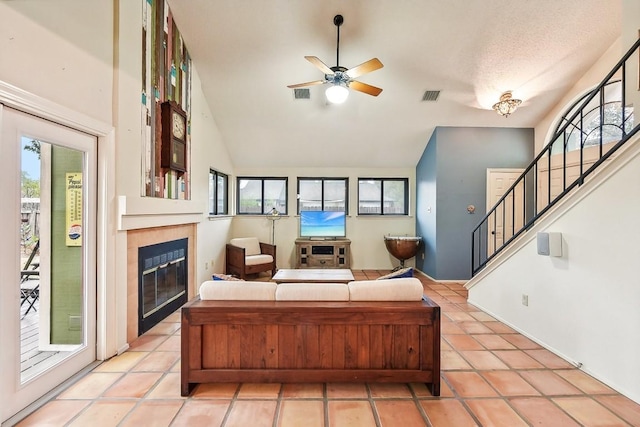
323	224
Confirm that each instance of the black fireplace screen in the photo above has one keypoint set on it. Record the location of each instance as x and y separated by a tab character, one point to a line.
162	283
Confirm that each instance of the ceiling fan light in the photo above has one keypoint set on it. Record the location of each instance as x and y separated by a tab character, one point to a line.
337	94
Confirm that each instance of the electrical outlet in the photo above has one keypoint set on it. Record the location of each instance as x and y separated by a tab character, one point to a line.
525	300
206	266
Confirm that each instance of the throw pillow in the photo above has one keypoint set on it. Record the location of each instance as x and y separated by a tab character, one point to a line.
218	276
403	272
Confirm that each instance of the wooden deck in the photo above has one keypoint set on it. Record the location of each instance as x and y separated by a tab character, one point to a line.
32	360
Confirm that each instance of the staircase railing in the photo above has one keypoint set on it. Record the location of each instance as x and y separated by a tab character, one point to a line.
590	134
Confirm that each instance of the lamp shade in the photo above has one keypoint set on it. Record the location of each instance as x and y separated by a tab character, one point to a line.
337	94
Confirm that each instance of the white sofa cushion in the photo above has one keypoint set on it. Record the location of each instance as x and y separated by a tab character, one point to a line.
404	289
257	259
312	292
237	290
251	245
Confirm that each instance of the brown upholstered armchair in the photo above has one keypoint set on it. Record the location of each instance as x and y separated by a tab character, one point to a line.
247	255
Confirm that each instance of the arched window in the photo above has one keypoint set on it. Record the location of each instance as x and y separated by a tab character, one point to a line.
595	123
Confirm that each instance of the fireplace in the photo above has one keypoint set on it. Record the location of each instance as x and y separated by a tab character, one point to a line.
162	281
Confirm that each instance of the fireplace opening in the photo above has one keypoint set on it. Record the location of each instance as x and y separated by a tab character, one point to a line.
162	281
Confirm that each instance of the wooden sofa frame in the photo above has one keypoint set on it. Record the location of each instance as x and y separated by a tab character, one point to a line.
235	261
310	341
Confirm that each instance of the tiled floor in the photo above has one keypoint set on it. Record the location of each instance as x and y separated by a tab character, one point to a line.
491	376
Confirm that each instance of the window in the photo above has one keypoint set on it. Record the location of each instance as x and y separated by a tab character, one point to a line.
383	196
259	196
323	194
218	193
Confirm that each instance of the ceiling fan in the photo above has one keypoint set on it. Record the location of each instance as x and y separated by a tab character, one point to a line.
342	78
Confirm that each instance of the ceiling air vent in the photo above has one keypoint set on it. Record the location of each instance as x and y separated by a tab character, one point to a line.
301	94
431	95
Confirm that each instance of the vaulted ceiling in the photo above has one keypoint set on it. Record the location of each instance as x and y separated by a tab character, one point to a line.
246	52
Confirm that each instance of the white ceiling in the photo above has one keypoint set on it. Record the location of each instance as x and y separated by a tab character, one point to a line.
247	52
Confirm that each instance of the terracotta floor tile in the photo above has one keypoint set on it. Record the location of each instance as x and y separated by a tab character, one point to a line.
521	342
174	317
549	383
303	391
254	413
475	328
495	413
483	360
122	362
422	391
215	391
588	412
541	412
134	385
403	413
482	316
463	342
509	383
55	413
499	328
517	359
170	344
451	360
163	328
350	413
147	342
460	316
450	328
548	359
625	408
493	342
584	382
346	390
387	390
201	413
157	361
457	299
444	345
167	388
259	391
153	413
469	384
91	385
296	413
447	413
103	413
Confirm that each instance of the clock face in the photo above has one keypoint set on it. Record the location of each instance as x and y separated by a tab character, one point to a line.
179	127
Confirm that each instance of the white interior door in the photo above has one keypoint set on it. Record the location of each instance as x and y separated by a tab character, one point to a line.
49	192
509	216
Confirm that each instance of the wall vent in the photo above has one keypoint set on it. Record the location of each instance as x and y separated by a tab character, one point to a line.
301	94
431	95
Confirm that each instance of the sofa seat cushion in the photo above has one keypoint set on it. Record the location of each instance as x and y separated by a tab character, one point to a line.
404	289
233	290
312	292
251	245
257	259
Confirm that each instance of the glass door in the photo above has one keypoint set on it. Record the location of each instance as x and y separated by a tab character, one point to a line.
47	256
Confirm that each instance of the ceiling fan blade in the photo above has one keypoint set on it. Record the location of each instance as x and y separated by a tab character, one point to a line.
364	68
365	88
318	63
316	82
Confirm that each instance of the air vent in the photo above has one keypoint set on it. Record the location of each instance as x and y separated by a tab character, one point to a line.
431	95
301	94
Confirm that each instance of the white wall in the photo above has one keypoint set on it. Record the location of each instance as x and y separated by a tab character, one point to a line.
583	305
366	233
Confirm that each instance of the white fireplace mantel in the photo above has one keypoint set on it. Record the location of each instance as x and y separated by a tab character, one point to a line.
146	212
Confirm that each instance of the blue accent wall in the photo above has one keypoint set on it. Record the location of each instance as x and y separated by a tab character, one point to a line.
452	174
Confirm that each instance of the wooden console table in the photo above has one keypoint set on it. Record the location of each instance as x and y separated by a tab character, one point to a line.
333	253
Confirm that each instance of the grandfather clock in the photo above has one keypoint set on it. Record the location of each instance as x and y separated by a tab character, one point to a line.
174	137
